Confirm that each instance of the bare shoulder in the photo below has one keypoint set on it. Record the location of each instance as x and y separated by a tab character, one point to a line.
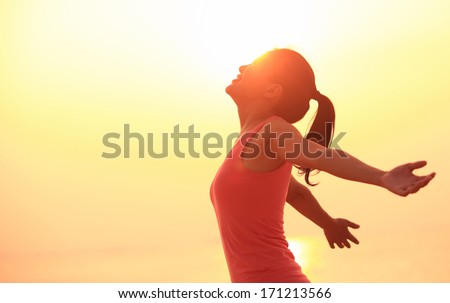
278	129
278	125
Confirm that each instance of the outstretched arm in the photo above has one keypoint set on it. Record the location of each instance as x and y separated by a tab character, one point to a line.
336	230
307	153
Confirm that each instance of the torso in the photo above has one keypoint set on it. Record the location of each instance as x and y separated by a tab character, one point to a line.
249	206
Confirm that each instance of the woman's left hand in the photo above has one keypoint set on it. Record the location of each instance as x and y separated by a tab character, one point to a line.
402	181
338	233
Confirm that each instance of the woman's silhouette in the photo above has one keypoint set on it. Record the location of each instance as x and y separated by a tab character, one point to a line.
254	182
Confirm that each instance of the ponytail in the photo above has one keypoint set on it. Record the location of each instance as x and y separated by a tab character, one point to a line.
322	128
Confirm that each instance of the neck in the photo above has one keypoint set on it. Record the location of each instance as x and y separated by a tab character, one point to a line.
250	117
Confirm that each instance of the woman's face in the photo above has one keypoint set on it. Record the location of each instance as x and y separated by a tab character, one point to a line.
252	81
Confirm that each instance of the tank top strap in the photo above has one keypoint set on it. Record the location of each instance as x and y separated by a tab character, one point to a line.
242	140
250	134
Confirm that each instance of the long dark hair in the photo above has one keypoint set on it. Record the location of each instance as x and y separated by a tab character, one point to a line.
295	75
322	128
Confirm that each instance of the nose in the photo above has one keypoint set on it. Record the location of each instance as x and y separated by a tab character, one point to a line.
242	68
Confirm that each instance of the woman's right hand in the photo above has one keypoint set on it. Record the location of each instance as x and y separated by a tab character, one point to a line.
338	233
402	181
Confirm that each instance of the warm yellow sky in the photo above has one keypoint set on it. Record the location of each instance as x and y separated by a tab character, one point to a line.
72	71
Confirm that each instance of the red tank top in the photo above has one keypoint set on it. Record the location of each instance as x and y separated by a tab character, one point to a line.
249	208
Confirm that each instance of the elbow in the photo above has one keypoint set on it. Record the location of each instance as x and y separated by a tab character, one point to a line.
298	195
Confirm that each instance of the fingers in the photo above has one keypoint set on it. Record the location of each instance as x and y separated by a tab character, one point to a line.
341	243
351	224
416	186
353	238
331	243
340	236
416	165
350	237
345	243
422	183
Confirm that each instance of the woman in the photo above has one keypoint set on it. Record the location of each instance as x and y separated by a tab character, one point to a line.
254	182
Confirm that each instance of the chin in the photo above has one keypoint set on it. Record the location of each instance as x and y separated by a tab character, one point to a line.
229	90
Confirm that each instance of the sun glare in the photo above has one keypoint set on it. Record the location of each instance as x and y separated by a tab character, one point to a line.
301	250
233	33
